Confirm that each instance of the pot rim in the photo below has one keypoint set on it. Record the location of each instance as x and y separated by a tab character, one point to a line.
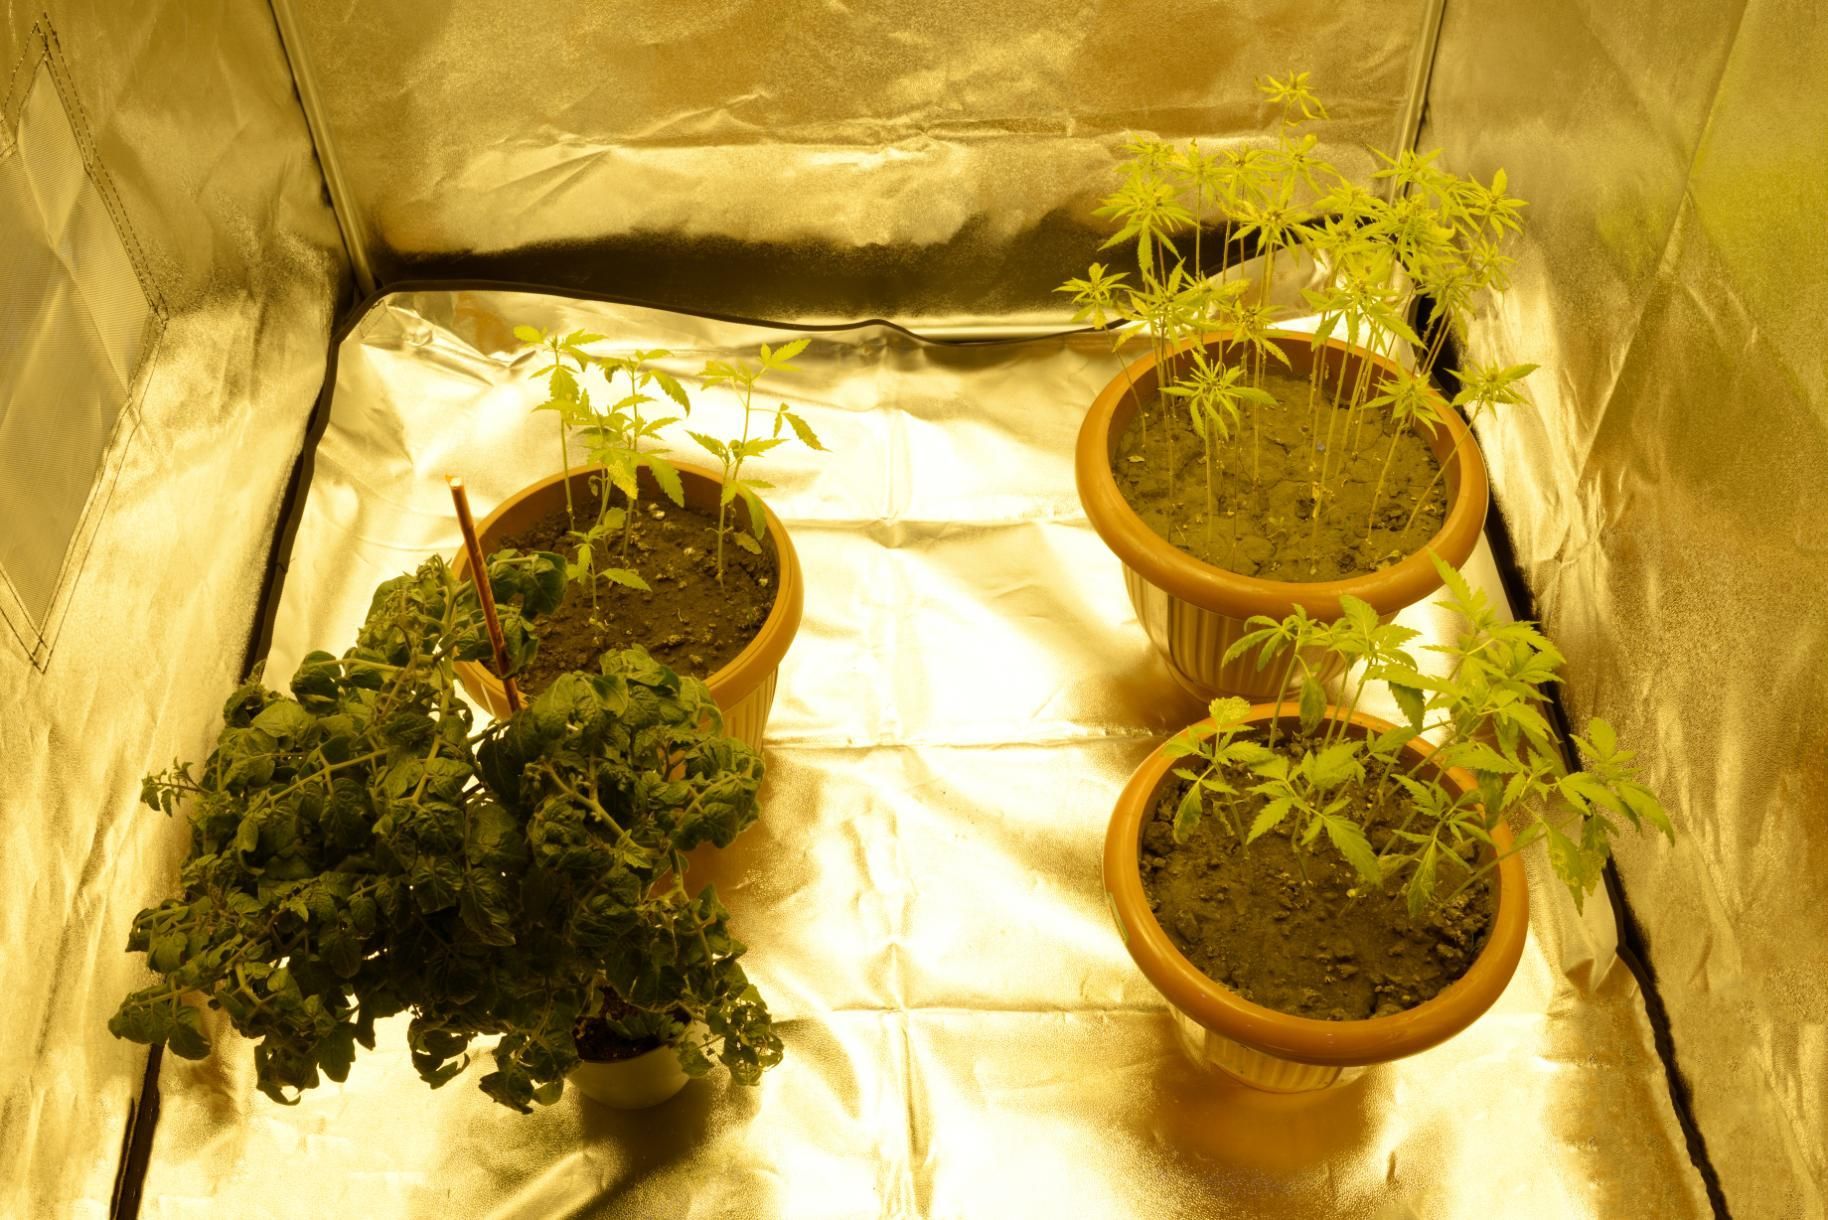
731	682
1221	590
1305	1039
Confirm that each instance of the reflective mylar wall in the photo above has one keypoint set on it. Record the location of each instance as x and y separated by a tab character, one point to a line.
907	159
185	121
1665	492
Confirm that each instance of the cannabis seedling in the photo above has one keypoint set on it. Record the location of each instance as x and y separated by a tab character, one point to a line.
1432	234
740	376
1394	820
358	850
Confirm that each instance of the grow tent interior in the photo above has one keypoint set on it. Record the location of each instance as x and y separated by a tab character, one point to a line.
965	1034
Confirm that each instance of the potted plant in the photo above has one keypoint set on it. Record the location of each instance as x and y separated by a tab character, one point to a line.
686	562
1314	889
1238	469
359	849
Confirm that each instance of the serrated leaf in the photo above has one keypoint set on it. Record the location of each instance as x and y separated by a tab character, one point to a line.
787	351
710	444
563	386
758	518
1577	869
1268	818
1226	712
666	475
1420	892
747	542
803	430
1478	756
1349	839
1249	753
1187	814
1411	701
1313	704
1642	802
669	385
626	577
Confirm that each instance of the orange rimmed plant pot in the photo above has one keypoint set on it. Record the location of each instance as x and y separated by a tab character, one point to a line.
1194	611
1272	1050
743	688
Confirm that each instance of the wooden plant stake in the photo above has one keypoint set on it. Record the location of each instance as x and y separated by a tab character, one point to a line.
480	576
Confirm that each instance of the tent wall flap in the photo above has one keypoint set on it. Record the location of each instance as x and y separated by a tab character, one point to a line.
193	189
1664	493
910	159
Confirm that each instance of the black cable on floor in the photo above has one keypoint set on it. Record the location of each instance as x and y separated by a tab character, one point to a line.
136	1143
1633	944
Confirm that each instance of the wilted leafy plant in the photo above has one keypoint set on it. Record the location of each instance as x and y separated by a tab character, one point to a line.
1394	820
357	850
740	376
1435	235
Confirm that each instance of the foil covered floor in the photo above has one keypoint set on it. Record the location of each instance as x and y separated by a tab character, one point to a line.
965	1034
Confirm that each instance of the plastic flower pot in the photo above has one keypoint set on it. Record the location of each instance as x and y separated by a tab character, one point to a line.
1260	1046
645	1080
1194	611
743	688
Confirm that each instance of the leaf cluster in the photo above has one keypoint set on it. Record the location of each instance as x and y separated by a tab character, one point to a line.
739	377
359	850
1388	811
616	439
1424	231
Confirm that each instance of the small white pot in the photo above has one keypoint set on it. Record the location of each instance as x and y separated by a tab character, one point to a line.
630	1084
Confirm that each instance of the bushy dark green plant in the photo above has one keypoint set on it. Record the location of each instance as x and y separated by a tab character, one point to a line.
359	849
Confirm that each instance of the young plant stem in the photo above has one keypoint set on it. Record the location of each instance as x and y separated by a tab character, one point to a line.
1211	502
1436	342
1382	474
634	444
1316	371
571	512
1453	455
1320	488
1288	674
1338	731
1355	414
733	473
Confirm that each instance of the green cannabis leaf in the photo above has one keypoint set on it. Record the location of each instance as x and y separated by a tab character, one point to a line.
1430	234
1324	781
740	377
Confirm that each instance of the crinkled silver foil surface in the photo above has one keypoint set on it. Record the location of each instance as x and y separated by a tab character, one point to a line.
906	159
965	1033
186	107
1665	493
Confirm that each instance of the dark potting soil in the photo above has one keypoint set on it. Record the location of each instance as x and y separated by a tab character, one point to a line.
598	1040
688	622
1246	918
1262	524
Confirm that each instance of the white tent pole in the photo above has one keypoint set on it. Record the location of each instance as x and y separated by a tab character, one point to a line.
1409	127
348	218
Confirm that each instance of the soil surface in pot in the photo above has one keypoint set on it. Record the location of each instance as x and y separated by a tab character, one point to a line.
1262	522
688	622
1245	917
600	1042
